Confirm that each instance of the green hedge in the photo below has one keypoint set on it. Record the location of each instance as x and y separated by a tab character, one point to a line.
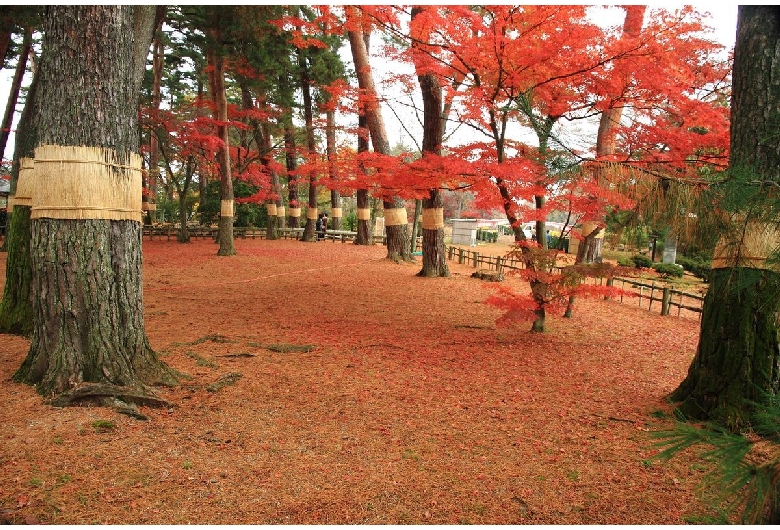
669	270
698	267
489	236
641	261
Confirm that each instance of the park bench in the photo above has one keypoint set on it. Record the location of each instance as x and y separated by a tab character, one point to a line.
344	235
244	232
289	233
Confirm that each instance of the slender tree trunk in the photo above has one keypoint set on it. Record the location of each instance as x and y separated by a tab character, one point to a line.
589	250
606	136
433	249
277	221
16	314
309	232
364	230
290	157
6	31
364	216
150	199
335	197
415	225
227	200
738	359
396	223
16	86
87	280
183	235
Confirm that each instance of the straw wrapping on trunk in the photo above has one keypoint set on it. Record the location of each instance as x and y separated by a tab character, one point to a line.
432	218
396	217
79	182
226	208
363	214
25	183
748	247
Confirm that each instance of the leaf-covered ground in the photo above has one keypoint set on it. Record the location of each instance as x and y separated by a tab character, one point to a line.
366	395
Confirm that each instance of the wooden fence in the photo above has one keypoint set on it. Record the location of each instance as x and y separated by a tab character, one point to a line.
668	297
169	232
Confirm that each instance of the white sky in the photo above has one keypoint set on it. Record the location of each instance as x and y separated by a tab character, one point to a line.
723	19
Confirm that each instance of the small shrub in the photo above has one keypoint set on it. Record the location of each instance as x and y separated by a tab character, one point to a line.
626	262
669	270
641	261
699	267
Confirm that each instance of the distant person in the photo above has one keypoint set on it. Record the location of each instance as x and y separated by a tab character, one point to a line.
318	226
324	223
549	239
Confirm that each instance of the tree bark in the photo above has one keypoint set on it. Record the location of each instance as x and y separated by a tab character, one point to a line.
275	222
364	226
607	132
16	85
16	314
227	200
434	256
309	232
589	250
290	157
397	234
737	362
87	278
153	176
335	196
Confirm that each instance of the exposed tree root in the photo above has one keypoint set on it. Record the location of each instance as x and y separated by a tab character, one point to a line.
120	398
230	378
290	348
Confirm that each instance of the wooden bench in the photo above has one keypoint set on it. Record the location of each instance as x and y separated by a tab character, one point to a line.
344	235
288	233
254	233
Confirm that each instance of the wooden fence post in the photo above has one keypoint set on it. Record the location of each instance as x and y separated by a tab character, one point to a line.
667	296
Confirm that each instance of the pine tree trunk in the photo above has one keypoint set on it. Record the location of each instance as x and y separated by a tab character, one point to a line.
434	251
217	76
154	151
397	234
87	277
364	227
89	329
738	358
13	95
183	235
290	154
590	248
415	226
363	236
434	256
335	197
16	305
362	201
309	232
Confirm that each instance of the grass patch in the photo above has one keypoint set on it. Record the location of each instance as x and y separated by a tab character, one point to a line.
102	426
